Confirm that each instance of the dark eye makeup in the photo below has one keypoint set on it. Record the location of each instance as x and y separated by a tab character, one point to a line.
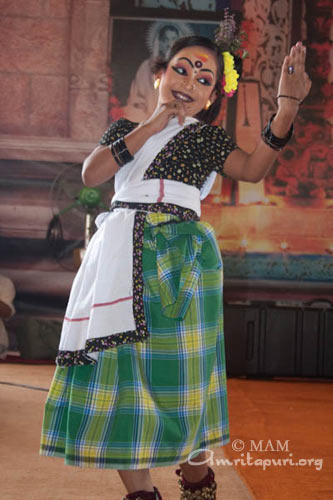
182	71
205	81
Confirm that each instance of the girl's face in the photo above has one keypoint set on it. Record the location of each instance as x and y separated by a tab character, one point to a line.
190	78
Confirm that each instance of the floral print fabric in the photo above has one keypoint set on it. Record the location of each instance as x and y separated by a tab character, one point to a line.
189	157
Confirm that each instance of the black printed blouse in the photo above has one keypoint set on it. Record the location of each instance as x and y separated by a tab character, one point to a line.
189	157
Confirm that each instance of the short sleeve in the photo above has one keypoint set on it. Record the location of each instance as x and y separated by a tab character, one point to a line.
217	146
116	130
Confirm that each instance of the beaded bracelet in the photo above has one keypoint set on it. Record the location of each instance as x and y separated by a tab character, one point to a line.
120	152
276	143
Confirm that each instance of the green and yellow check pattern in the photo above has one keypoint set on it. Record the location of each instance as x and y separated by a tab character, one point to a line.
151	403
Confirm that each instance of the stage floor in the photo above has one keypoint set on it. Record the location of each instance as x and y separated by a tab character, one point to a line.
269	419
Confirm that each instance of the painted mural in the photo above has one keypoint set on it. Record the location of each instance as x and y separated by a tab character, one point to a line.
280	229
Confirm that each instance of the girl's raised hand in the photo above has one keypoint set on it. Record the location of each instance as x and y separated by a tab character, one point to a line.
294	81
164	113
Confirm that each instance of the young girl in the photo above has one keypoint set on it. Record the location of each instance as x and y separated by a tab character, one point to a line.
140	380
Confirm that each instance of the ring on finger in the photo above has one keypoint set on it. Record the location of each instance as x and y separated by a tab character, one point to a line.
291	70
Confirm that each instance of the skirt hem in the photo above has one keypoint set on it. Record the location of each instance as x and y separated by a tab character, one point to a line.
146	465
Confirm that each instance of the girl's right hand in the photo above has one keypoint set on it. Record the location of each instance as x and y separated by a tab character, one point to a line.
163	114
100	166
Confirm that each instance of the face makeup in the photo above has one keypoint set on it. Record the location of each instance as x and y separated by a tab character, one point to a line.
190	79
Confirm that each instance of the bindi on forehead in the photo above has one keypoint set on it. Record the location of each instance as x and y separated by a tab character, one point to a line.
202	58
197	64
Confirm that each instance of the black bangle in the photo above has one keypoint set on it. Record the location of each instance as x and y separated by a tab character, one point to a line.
276	143
115	155
120	152
123	153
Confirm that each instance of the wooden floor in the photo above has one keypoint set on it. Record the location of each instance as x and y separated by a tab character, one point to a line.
271	412
283	419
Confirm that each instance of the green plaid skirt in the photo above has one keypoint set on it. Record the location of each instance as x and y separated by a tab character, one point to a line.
151	403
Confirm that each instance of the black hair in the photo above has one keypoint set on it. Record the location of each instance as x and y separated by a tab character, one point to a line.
158	64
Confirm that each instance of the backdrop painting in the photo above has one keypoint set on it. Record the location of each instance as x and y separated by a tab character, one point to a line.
206	9
279	229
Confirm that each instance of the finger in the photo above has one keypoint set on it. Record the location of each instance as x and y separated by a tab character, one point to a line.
170	104
299	57
173	104
296	58
170	109
297	53
182	117
292	52
291	58
286	64
176	108
181	114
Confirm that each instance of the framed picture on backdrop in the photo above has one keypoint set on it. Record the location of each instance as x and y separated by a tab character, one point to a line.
134	43
189	9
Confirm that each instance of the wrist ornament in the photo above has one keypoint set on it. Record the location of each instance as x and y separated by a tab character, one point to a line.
276	143
120	152
290	97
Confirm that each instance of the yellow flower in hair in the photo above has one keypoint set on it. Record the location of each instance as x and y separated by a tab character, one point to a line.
228	62
230	77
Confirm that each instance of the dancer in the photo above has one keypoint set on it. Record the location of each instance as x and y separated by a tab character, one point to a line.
140	380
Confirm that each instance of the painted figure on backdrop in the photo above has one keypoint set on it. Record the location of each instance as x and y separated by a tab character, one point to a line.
142	98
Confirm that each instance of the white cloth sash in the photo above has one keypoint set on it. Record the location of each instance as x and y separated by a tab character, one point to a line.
101	298
161	190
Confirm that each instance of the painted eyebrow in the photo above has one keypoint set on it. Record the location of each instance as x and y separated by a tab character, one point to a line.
210	71
190	62
186	59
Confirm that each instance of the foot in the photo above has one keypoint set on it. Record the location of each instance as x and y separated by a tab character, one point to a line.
144	495
206	488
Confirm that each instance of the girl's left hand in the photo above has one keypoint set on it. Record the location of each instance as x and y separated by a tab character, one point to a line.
294	81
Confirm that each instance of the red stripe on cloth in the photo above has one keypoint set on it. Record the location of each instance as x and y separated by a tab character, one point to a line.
113	302
160	198
99	305
76	319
